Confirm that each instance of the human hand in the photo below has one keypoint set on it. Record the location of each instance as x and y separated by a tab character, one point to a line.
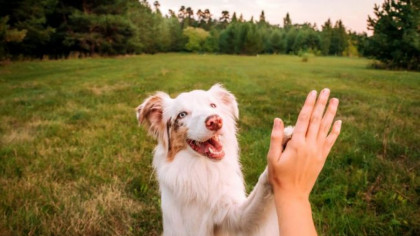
293	171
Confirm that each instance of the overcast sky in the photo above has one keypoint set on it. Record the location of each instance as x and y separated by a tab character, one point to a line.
353	13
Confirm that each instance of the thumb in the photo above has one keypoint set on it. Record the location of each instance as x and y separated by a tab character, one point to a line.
276	147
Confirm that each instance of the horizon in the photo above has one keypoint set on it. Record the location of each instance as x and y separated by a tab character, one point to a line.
353	14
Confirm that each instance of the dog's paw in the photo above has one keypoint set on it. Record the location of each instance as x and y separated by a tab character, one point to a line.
264	176
288	132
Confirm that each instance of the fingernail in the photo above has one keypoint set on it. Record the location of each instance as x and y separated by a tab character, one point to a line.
312	93
326	90
334	101
339	123
277	122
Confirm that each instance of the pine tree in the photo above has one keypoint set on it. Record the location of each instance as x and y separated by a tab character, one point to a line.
287	22
157	5
102	27
228	39
326	36
396	33
253	42
278	42
339	39
175	34
224	19
8	35
241	18
234	18
23	16
262	18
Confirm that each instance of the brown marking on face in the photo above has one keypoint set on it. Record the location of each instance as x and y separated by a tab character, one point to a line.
177	136
177	124
168	128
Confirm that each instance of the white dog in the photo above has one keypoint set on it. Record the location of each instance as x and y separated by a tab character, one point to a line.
196	161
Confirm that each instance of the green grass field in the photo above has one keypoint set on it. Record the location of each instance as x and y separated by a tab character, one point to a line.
73	160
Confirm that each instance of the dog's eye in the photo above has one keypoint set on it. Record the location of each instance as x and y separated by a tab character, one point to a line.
182	114
213	105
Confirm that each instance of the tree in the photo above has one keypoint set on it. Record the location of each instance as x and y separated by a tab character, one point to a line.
287	22
234	18
339	39
171	13
290	39
224	19
196	38
200	15
207	15
396	33
326	36
8	35
175	33
278	42
181	13
241	18
307	39
228	39
241	38
23	16
262	19
157	5
188	18
212	42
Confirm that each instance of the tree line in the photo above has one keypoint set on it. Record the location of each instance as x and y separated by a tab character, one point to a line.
59	28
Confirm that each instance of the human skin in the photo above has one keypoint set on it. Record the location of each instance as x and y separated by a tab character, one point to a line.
293	171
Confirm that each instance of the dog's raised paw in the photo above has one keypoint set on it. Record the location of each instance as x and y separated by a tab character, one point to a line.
288	132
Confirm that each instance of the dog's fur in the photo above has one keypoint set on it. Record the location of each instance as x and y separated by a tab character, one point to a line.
202	190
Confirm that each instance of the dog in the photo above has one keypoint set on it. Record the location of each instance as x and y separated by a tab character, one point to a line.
197	165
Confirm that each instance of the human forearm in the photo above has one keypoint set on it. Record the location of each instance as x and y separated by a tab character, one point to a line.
294	215
294	170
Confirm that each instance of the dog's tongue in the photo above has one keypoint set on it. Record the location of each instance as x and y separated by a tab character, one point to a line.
212	149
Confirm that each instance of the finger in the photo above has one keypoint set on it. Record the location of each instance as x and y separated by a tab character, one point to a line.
276	140
304	115
328	118
329	142
317	113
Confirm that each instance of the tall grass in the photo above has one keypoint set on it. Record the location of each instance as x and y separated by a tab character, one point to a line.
73	160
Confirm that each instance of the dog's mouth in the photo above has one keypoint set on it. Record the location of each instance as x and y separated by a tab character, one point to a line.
212	148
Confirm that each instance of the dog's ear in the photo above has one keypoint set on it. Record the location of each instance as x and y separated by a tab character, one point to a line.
150	112
226	98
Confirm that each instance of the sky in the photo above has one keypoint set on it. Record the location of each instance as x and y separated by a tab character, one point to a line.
353	13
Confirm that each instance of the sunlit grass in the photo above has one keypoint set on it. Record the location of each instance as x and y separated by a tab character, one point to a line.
74	161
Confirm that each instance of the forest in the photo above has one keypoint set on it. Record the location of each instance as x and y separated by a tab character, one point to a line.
62	28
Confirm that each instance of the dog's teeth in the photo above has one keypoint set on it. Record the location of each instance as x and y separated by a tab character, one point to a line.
211	150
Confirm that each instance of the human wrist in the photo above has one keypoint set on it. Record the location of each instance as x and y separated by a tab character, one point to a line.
287	197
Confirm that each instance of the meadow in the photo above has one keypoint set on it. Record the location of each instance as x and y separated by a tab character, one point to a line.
73	160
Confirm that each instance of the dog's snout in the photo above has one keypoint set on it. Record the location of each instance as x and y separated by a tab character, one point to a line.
214	122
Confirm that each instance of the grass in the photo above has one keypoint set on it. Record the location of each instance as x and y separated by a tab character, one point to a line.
73	160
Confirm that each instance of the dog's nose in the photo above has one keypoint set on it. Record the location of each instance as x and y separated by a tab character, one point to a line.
214	122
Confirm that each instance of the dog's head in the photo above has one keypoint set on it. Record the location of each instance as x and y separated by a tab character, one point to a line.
198	121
